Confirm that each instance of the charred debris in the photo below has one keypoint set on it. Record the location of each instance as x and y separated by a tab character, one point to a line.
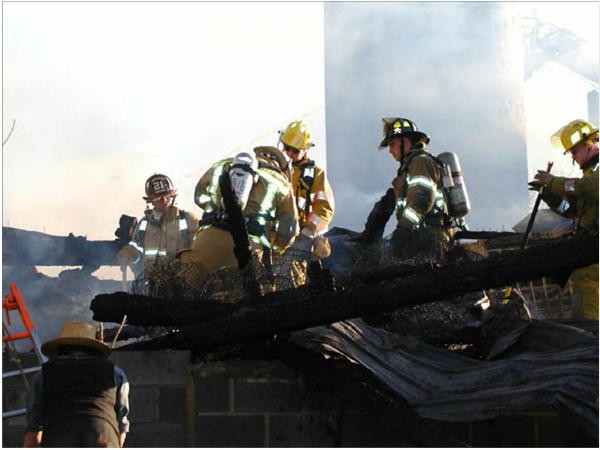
383	329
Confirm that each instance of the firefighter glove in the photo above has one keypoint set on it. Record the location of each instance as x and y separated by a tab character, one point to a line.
321	248
543	177
126	255
304	243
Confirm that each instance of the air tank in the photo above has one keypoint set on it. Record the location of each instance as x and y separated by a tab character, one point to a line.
242	175
457	198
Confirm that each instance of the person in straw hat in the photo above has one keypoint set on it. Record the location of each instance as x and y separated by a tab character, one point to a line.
79	398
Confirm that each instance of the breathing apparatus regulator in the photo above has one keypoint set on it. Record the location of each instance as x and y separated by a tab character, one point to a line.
243	174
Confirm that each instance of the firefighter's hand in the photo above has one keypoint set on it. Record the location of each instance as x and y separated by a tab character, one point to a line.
535	185
303	243
543	177
32	439
321	247
126	256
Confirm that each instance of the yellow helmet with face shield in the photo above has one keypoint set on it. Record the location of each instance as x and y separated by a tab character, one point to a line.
572	134
296	136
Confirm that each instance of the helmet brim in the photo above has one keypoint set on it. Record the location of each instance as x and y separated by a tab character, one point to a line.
418	134
51	348
172	193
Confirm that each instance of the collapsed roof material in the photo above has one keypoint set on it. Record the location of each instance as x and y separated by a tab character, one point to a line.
549	365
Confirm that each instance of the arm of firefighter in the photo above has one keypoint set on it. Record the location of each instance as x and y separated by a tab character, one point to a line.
322	204
202	196
287	221
560	204
585	186
122	403
34	416
192	221
421	189
131	253
378	217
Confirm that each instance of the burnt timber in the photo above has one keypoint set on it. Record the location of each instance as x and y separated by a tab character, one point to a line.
304	307
32	248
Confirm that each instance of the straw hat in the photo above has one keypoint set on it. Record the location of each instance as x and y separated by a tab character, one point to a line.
75	333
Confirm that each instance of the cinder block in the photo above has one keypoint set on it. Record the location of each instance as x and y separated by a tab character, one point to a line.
143	404
303	430
12	435
573	434
171	404
360	430
244	369
268	395
509	431
548	431
155	434
13	399
239	430
212	394
160	367
516	431
457	430
318	398
484	433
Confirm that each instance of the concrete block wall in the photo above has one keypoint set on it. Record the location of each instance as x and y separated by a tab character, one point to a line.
158	387
263	403
266	404
14	393
157	399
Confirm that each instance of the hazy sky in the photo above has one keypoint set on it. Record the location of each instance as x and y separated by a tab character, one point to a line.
106	93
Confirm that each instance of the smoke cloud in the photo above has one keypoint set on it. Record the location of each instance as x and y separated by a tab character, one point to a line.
454	69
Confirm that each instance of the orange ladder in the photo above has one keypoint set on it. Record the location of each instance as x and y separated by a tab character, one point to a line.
14	301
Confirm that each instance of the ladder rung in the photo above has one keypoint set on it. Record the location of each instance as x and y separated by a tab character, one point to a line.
13	413
17	336
13	373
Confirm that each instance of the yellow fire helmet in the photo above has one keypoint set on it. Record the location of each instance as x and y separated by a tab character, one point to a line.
296	135
572	134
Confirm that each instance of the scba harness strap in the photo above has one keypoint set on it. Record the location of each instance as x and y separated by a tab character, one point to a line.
307	179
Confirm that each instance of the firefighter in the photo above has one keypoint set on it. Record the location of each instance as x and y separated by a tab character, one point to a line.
313	194
163	231
79	399
418	192
577	198
266	200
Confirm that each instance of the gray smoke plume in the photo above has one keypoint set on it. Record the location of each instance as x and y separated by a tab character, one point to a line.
453	68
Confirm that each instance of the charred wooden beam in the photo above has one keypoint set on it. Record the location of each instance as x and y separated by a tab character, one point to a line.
304	307
23	247
153	311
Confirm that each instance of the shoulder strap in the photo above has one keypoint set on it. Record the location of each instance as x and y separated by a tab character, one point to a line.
184	234
307	177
